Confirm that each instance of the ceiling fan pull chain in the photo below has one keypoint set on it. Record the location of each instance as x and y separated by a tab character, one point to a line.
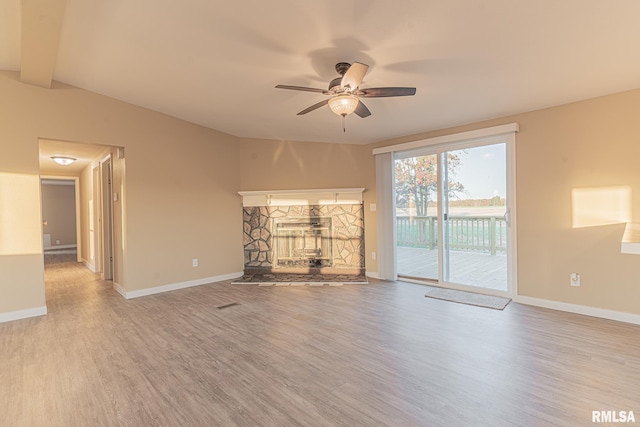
343	127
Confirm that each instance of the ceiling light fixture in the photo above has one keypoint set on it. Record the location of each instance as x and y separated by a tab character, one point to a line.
62	160
343	105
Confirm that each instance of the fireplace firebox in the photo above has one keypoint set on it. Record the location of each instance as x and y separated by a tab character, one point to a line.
303	242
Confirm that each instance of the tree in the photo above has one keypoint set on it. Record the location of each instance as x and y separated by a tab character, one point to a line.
417	179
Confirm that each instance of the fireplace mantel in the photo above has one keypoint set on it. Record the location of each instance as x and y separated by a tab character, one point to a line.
324	196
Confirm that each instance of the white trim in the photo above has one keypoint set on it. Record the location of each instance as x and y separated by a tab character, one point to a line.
603	313
454	137
53	247
175	286
631	239
57	181
512	230
89	265
120	289
372	274
418	281
23	314
298	192
325	196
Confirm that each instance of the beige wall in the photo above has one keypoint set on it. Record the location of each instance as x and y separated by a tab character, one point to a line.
182	182
59	212
289	165
589	144
181	188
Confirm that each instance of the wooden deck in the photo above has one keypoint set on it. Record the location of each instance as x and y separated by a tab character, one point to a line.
467	268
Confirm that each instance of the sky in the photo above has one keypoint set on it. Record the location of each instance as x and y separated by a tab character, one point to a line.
482	171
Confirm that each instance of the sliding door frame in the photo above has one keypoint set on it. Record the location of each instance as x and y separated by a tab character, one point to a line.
489	136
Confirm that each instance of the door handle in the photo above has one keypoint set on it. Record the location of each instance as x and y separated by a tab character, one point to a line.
507	217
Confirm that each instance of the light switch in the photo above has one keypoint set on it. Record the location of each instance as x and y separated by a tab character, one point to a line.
372	207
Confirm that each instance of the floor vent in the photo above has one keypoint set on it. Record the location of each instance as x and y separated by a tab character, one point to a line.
227	305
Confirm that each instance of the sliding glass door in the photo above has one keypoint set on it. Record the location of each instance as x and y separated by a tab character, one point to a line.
416	193
453	215
475	214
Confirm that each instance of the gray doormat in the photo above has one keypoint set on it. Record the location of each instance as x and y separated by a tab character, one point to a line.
469	298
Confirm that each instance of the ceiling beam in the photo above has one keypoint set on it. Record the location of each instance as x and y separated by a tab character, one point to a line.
41	27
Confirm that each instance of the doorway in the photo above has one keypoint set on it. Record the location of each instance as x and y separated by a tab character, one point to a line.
453	215
60	208
98	171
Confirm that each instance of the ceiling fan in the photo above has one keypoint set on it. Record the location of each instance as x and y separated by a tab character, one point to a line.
345	91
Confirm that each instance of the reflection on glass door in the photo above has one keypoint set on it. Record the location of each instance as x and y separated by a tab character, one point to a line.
416	186
475	214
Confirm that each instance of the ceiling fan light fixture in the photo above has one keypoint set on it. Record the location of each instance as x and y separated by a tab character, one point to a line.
63	160
343	105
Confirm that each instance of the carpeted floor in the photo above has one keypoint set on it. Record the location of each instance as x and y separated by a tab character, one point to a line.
60	256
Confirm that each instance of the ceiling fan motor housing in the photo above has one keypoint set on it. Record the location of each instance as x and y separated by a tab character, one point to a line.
335	83
341	68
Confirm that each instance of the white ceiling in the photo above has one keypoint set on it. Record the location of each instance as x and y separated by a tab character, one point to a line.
216	63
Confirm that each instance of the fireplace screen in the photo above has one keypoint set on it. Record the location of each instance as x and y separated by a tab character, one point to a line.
303	242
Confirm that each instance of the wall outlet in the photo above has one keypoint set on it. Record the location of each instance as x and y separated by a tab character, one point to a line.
373	255
194	262
372	207
574	279
57	242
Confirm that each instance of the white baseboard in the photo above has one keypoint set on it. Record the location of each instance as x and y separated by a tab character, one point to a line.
372	274
176	286
60	247
603	313
89	266
119	289
23	314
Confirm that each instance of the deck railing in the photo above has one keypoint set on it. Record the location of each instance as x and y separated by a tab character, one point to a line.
486	234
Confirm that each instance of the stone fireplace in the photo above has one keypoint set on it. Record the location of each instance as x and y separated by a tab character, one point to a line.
304	231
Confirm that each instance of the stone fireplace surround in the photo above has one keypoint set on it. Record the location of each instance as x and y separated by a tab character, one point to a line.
326	226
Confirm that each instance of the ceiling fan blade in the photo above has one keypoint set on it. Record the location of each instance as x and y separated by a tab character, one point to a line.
314	107
362	110
382	92
302	88
354	75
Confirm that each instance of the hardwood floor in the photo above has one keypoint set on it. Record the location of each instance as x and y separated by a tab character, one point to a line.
356	355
